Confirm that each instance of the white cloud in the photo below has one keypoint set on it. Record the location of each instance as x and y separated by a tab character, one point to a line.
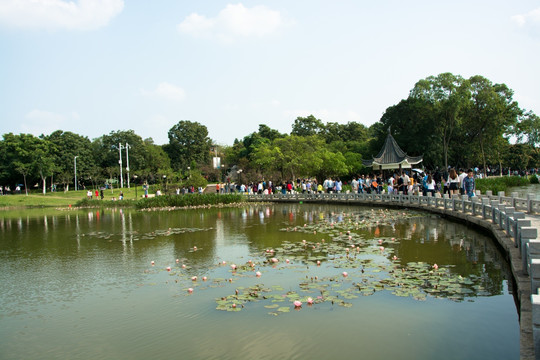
166	91
235	21
39	122
532	16
59	14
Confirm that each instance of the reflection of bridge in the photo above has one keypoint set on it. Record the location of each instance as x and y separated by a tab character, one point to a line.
512	221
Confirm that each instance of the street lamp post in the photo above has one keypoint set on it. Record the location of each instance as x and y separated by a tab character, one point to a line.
75	165
127	162
120	147
135	177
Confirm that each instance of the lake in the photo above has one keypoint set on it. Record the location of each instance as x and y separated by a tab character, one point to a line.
120	284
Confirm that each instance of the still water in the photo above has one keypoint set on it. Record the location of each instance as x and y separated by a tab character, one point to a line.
81	285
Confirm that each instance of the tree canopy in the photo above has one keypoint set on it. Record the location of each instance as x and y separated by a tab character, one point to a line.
450	120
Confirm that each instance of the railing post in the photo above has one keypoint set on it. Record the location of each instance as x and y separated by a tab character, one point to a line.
485	204
535	300
527	234
533	252
530	198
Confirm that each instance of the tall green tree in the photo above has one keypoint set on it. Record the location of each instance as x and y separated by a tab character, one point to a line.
307	126
490	114
63	147
447	95
188	144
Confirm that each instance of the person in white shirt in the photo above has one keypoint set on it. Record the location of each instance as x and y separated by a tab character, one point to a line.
453	182
462	175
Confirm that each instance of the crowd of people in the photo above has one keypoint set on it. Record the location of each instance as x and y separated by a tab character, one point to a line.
416	182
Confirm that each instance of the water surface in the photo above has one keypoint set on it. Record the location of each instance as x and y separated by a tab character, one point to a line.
81	285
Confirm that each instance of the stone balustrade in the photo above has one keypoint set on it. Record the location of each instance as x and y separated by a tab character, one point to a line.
512	221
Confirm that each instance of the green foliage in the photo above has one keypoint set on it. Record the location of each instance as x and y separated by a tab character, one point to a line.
188	200
307	126
502	183
534	179
195	180
188	142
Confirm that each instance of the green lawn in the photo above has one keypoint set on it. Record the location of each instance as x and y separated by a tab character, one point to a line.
60	199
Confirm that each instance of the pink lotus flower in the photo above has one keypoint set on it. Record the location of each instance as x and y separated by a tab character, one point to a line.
393	239
310	301
194	248
190	290
297	303
381	248
258	274
177	261
345	274
152	263
193	278
274	260
168	268
318	262
287	261
233	266
435	266
350	237
204	278
224	262
183	266
394	257
380	241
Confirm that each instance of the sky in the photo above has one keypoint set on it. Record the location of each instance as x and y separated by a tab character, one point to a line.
96	66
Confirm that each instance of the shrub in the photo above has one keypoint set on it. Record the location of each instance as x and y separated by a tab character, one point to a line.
502	183
188	200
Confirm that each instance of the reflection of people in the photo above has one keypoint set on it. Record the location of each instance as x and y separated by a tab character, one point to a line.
469	184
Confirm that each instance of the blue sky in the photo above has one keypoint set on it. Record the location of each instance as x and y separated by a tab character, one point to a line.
96	66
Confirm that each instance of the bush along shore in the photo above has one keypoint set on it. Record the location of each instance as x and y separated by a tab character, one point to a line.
502	183
167	201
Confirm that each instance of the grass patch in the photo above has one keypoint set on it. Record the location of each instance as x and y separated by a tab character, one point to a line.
502	183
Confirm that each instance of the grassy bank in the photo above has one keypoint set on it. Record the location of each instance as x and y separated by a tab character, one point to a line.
502	183
62	199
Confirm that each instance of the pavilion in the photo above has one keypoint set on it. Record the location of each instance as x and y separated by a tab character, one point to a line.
392	157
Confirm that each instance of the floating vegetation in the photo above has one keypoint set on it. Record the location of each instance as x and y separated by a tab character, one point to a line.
338	271
134	235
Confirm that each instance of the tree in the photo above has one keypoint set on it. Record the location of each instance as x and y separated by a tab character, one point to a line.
447	95
489	115
63	147
307	126
271	134
188	142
